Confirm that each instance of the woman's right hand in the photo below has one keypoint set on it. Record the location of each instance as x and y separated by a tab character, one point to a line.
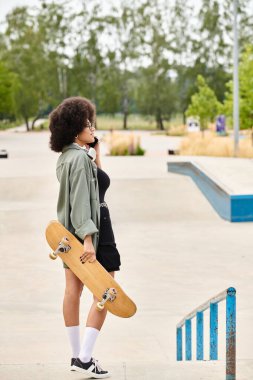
89	253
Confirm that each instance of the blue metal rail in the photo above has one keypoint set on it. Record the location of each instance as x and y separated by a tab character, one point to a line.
212	304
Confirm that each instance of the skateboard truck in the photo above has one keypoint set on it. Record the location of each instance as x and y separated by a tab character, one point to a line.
109	295
63	247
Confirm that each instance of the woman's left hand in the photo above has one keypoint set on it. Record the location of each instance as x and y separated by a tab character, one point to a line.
97	149
97	160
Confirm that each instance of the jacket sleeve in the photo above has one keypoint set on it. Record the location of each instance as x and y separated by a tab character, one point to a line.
80	212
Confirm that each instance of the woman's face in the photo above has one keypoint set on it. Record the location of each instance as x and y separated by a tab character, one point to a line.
87	134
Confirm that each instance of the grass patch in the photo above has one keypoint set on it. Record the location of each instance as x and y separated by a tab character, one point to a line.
177	130
42	126
134	122
215	146
115	122
6	124
110	122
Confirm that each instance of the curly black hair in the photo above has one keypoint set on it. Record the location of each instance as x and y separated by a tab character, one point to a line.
69	119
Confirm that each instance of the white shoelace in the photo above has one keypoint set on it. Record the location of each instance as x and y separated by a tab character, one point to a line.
97	366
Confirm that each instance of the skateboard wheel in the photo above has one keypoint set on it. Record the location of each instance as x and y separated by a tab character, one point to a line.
52	256
100	307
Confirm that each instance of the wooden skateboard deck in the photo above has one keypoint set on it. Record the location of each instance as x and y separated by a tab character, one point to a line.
93	275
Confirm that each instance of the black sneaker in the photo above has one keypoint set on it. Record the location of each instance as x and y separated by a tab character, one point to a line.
92	368
71	365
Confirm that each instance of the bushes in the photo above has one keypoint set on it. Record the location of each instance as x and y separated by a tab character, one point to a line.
122	144
177	130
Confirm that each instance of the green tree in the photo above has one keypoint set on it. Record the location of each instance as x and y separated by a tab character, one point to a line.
211	46
246	92
35	42
246	87
109	94
55	24
24	57
88	74
155	92
122	51
141	56
180	32
204	104
125	29
9	86
213	41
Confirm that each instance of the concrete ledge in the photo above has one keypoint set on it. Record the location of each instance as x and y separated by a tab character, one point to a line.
231	207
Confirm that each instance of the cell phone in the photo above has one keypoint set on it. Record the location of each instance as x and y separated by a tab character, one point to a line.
92	145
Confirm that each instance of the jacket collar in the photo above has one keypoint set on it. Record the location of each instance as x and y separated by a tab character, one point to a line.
72	146
78	147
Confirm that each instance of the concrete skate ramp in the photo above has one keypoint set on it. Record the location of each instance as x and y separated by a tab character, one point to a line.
231	207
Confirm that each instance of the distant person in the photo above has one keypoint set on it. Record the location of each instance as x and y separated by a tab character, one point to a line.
82	210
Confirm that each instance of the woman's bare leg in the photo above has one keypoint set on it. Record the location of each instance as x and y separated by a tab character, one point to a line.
96	318
71	301
94	323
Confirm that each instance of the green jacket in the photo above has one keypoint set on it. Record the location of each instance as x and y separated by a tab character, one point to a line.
78	206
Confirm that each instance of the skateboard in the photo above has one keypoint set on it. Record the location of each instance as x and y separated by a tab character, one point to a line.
93	275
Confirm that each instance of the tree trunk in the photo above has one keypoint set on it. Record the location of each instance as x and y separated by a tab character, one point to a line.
161	124
184	118
203	127
159	120
125	110
34	121
125	120
27	123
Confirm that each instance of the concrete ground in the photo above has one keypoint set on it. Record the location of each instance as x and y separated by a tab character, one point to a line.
175	250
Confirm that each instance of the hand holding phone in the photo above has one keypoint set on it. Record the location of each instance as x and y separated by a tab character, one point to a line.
93	144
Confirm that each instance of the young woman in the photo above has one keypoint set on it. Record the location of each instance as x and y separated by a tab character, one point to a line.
82	210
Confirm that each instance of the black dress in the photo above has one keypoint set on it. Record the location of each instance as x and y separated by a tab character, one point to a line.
107	253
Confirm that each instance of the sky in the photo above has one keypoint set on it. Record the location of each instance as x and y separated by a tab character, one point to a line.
7	5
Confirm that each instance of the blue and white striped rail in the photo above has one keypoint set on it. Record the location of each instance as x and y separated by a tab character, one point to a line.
230	296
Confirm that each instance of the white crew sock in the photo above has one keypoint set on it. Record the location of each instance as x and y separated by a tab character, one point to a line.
88	343
74	338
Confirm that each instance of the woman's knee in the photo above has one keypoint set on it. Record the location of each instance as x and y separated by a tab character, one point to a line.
73	292
73	289
74	286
